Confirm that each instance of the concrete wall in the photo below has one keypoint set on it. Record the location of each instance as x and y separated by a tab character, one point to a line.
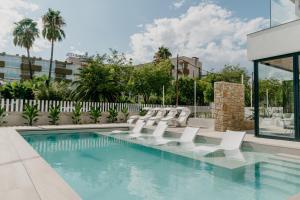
16	119
275	41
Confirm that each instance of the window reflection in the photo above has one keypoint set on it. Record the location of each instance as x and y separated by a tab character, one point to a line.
283	11
276	97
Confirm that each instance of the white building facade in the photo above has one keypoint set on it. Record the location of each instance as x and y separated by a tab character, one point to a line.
275	53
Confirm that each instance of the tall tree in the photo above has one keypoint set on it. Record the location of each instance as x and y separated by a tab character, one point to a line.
25	33
163	53
53	24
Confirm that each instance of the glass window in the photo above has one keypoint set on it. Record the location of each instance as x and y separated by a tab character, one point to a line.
283	11
276	98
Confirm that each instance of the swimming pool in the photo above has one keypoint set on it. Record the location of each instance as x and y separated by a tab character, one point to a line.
101	167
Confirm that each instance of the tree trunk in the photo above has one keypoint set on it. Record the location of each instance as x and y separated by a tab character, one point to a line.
51	59
29	64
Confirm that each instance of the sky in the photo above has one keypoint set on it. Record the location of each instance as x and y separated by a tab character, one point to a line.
215	31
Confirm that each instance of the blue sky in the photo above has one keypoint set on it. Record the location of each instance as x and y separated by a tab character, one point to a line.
138	27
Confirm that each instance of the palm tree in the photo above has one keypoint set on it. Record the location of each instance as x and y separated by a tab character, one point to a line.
53	24
25	33
163	53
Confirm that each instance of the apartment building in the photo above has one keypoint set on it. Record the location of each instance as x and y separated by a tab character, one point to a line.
15	67
188	67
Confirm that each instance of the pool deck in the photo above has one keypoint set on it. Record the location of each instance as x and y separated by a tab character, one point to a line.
26	175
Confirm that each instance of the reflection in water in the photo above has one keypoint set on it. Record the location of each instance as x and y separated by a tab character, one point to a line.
108	168
141	184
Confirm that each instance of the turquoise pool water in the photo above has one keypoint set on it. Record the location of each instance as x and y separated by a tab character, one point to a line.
100	167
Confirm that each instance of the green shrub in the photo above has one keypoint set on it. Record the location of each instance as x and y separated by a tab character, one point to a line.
30	114
142	112
2	116
55	91
17	90
54	113
113	113
76	113
125	113
95	113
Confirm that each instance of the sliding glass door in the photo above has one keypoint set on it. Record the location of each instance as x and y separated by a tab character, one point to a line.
275	96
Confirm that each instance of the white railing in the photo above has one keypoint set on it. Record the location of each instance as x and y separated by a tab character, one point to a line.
17	105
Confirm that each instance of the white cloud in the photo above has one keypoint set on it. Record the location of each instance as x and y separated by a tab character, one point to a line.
140	25
11	11
178	3
76	51
207	31
40	43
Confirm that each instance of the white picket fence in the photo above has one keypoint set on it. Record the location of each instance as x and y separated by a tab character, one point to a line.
17	105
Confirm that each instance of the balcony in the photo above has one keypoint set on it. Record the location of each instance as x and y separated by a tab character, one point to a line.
63	79
63	71
36	68
60	64
25	76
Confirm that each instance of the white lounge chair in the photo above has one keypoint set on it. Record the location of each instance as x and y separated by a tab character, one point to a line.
182	118
171	114
157	133
150	113
161	112
136	129
235	155
188	136
231	140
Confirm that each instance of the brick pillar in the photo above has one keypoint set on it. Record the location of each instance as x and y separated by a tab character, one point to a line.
229	106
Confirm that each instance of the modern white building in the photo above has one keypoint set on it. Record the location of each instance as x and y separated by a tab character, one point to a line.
275	53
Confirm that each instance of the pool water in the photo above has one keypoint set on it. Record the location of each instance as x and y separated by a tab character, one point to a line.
101	167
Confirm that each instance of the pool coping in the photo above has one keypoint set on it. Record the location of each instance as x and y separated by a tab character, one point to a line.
26	175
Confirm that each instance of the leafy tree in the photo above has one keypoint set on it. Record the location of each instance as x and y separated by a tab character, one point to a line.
116	58
53	24
230	73
30	114
54	113
150	79
274	88
95	82
186	87
76	113
163	53
102	79
113	114
95	113
25	33
208	93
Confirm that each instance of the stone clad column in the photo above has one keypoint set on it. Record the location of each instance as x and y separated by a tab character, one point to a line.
229	106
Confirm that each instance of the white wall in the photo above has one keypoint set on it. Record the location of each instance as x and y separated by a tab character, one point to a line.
280	40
